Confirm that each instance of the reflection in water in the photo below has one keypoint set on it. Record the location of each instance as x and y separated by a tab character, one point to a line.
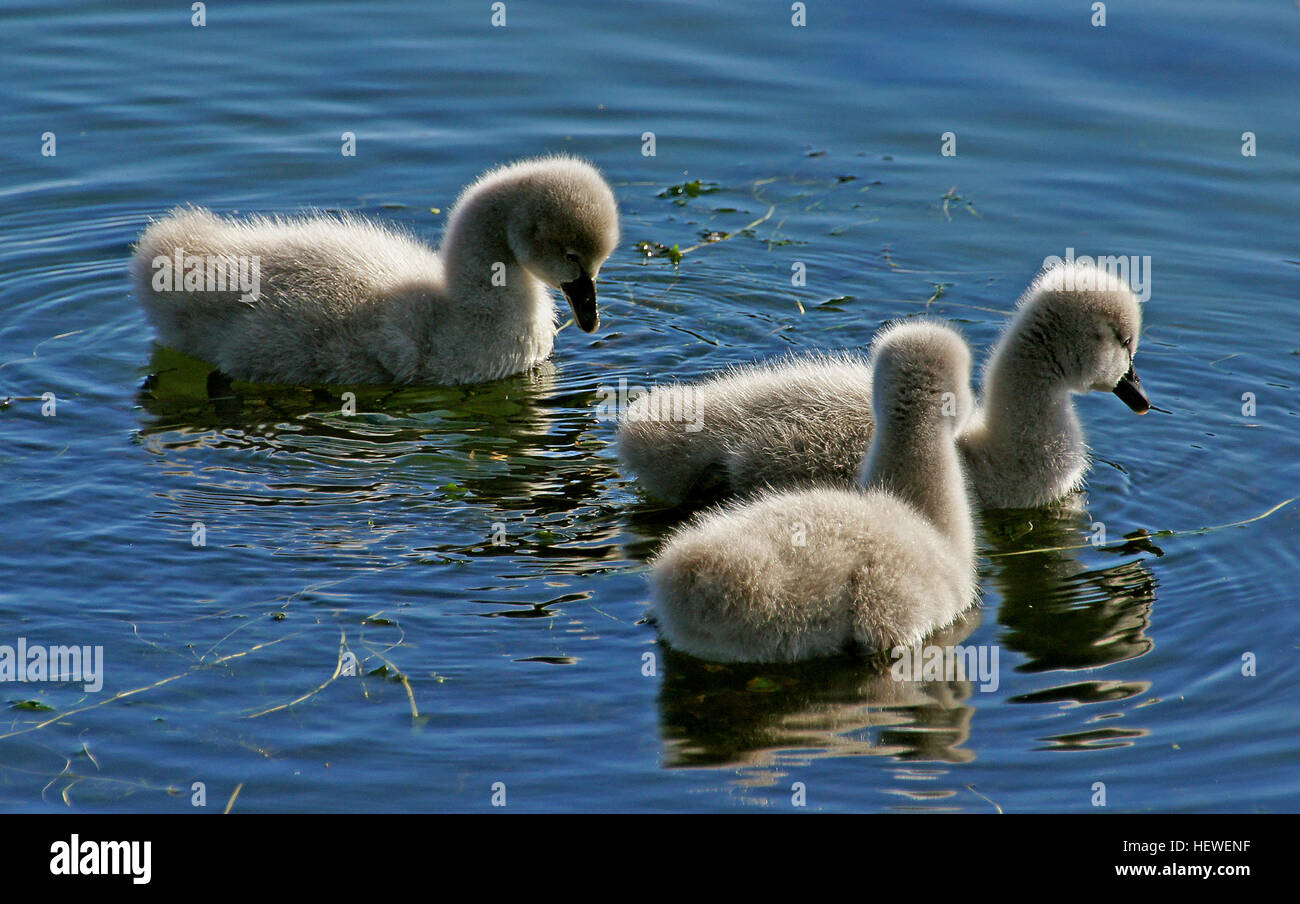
1061	615
193	405
512	462
713	714
1057	613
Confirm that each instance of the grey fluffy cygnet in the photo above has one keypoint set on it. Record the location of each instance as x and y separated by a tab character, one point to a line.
339	299
807	573
803	421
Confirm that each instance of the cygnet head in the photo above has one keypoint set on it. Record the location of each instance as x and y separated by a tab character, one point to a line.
562	223
1090	321
921	373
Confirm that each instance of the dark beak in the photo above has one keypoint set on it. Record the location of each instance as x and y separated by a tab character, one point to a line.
1129	390
581	293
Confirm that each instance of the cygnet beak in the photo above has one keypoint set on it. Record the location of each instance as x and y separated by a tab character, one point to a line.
1129	390
581	293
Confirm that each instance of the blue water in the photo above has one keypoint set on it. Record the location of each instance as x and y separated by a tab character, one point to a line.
525	663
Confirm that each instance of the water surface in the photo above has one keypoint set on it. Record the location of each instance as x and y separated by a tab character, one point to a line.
526	663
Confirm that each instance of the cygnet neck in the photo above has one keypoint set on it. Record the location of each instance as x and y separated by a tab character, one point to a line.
915	458
1026	407
475	246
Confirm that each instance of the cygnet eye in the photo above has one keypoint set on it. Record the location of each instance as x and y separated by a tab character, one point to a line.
571	256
